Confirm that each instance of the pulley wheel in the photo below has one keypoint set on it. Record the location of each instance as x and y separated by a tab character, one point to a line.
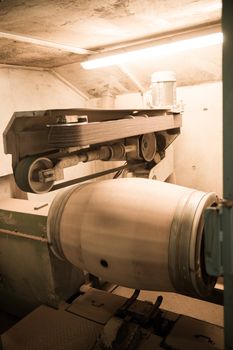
26	174
148	146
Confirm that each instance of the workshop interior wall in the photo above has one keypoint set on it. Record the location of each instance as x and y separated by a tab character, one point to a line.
22	90
198	150
29	89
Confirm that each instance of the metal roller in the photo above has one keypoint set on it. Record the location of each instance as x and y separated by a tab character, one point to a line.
26	174
137	233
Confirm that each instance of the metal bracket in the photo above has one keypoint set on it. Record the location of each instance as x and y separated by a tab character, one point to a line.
214	241
130	324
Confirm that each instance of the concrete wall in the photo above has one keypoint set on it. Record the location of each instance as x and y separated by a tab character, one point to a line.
198	150
28	89
22	90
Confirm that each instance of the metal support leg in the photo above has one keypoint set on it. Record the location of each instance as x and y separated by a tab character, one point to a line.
227	24
228	275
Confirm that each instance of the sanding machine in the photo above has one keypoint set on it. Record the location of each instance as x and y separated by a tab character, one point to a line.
139	233
43	143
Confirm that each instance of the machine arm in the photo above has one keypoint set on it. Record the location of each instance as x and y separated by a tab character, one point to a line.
43	144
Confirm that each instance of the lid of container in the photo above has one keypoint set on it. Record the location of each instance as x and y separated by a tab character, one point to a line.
163	75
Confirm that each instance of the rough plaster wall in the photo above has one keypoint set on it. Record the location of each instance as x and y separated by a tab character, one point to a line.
22	90
198	150
8	188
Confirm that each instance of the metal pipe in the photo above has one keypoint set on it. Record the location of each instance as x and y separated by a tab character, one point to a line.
227	218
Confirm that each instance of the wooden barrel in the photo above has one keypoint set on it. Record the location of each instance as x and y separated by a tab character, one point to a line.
138	233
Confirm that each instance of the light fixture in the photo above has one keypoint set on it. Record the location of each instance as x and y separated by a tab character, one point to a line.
154	50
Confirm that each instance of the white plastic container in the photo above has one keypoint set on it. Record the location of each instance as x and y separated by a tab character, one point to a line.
163	89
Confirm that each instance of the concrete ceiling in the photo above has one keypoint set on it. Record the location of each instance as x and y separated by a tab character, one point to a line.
97	25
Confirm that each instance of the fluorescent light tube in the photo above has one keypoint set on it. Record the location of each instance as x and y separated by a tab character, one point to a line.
153	51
